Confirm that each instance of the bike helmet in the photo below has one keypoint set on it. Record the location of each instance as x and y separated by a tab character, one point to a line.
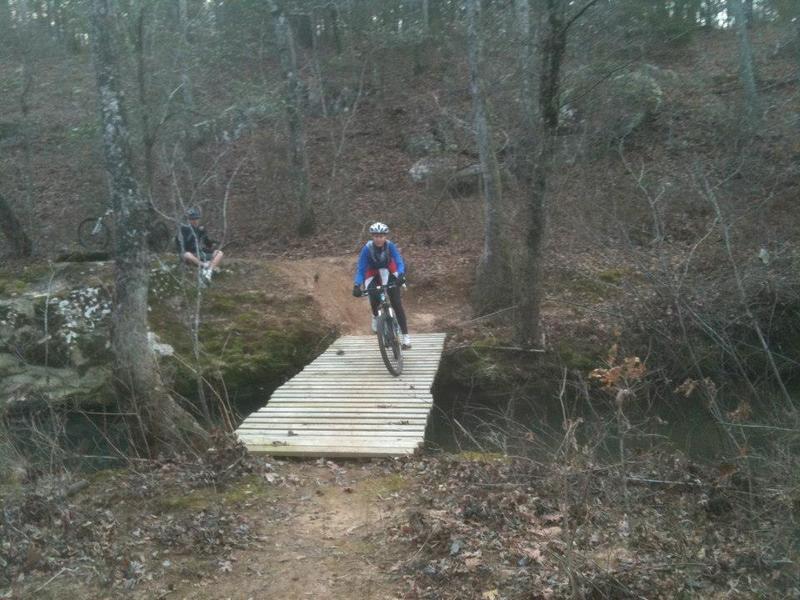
379	227
192	213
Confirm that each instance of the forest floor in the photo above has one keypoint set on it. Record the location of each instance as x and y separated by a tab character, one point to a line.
449	527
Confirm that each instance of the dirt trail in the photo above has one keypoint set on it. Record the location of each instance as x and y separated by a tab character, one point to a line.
330	280
324	538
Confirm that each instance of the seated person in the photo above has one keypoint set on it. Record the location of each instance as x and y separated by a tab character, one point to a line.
196	248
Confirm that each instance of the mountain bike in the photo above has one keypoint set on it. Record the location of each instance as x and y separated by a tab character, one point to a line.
94	234
388	330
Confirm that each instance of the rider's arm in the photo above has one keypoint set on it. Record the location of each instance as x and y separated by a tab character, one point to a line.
401	267
361	266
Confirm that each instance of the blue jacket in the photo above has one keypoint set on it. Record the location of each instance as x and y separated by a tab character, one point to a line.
369	261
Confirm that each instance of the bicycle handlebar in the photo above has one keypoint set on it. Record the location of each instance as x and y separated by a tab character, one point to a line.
365	293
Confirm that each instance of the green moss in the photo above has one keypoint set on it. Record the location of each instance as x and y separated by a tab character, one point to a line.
104	476
388	484
612	276
199	499
580	354
481	362
10	286
246	342
247	489
595	287
483	457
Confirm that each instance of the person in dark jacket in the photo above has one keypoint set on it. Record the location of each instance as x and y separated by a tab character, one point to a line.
381	262
196	248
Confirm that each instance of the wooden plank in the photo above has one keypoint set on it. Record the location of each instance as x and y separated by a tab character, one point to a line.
423	410
341	418
331	451
350	441
365	424
397	408
350	395
344	430
303	434
323	421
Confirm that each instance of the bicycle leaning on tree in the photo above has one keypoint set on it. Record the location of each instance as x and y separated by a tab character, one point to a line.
94	233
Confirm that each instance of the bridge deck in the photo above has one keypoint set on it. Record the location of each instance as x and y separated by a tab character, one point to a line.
345	403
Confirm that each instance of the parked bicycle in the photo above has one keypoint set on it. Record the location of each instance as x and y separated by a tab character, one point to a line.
94	234
388	331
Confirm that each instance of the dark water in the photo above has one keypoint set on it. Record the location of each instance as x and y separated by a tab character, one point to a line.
490	419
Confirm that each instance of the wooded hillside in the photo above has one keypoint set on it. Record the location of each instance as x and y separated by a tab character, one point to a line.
597	202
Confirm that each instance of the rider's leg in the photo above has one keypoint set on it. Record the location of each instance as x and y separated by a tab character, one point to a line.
217	258
191	259
397	304
374	302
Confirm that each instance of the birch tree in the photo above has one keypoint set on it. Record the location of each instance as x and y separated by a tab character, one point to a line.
294	118
159	422
493	275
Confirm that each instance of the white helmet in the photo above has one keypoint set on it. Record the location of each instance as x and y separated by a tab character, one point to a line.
378	227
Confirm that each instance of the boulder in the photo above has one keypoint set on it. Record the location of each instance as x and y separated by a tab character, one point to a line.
444	173
423	144
54	347
616	108
22	382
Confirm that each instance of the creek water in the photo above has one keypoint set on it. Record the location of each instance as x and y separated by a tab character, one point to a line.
490	418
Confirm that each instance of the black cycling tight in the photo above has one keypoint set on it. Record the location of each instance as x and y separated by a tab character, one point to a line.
394	298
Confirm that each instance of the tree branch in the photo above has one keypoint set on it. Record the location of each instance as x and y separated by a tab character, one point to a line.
579	14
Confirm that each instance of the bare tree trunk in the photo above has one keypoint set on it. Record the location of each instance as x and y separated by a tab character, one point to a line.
748	12
746	68
13	230
148	135
294	117
24	33
426	18
5	19
187	93
493	276
333	12
797	36
536	164
526	59
161	423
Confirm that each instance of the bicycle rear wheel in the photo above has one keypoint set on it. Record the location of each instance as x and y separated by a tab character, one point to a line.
93	234
389	344
159	238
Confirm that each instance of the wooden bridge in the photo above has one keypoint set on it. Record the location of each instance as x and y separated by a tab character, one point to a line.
345	403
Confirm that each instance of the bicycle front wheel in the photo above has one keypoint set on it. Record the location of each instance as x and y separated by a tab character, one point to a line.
389	344
93	234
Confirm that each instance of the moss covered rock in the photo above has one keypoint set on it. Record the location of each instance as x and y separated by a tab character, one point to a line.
244	336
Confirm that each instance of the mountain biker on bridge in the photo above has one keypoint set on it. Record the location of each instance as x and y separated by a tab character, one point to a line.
380	260
196	248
